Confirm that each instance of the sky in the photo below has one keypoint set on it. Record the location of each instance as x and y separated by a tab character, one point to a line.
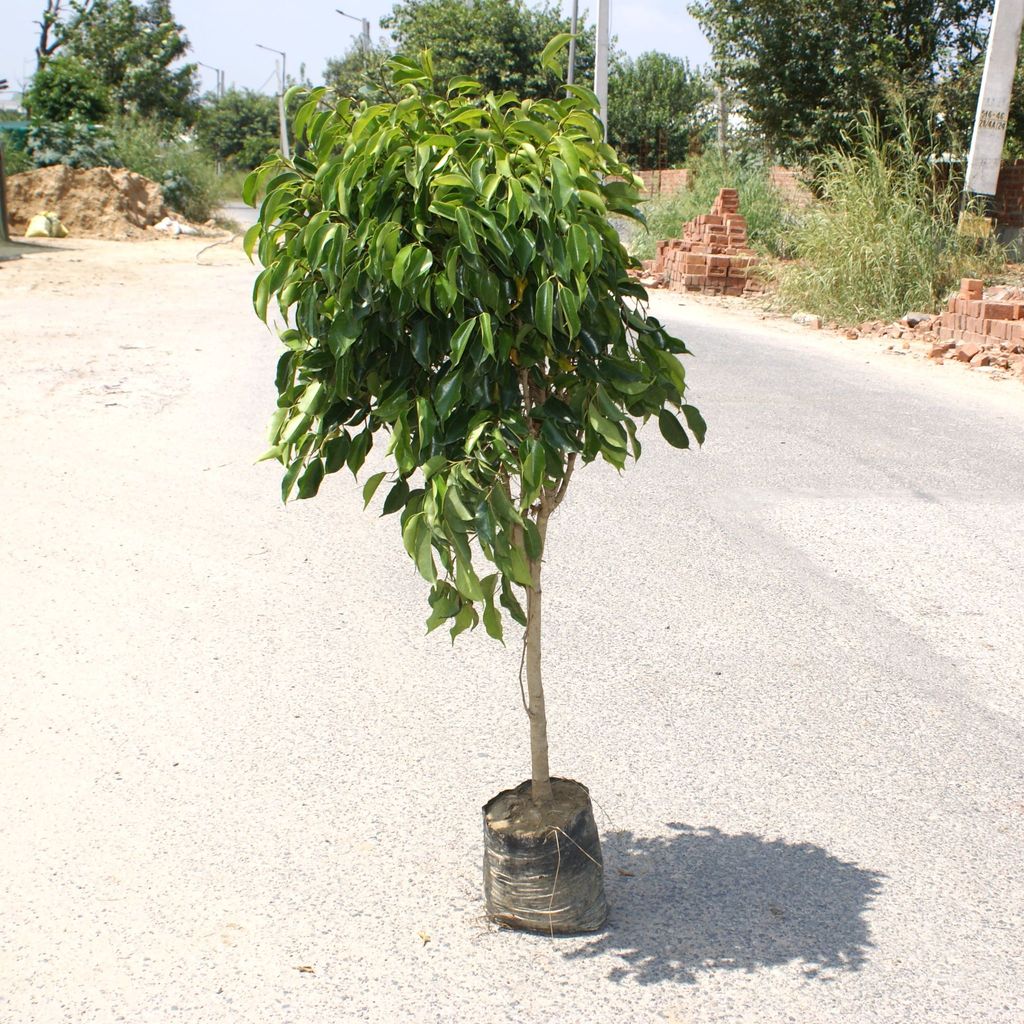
225	34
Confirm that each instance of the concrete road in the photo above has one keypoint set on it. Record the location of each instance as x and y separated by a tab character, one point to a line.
238	783
244	216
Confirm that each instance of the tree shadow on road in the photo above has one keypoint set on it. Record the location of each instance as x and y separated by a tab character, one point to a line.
702	900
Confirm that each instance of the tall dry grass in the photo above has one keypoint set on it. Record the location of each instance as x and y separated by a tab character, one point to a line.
883	240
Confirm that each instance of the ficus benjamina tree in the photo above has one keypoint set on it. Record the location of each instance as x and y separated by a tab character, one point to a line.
452	287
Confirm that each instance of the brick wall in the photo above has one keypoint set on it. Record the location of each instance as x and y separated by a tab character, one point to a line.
666	182
791	182
1009	204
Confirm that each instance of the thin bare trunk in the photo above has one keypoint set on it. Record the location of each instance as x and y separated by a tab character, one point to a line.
539	770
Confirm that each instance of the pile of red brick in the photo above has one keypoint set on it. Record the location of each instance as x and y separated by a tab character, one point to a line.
983	329
713	255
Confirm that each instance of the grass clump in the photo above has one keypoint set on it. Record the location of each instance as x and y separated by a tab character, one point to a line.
883	240
768	219
186	174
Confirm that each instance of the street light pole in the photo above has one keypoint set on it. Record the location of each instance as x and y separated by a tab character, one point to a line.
571	77
365	24
601	64
282	117
219	88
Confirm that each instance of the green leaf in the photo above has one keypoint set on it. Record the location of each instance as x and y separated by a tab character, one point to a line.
424	554
695	422
543	308
250	239
531	539
672	430
570	310
492	621
457	505
467	581
336	451
503	506
466	619
271	453
561	183
370	487
288	481
533	469
480	422
401	263
396	498
420	333
467	237
460	339
486	337
447	395
309	482
547	57
520	568
427	421
510	602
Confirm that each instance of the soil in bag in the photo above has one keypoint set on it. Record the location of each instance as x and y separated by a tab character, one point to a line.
542	865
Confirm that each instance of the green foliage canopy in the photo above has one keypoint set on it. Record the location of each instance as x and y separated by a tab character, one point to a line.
66	89
357	68
239	127
131	48
450	280
495	42
657	108
804	71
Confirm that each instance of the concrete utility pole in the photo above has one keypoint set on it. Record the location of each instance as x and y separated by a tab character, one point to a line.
723	119
601	64
994	98
282	116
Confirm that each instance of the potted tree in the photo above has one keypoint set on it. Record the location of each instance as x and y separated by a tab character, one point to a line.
452	285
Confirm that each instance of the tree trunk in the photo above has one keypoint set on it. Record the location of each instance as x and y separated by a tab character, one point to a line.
539	770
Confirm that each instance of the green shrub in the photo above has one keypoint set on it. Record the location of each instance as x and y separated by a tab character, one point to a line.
16	157
72	143
186	174
884	239
768	219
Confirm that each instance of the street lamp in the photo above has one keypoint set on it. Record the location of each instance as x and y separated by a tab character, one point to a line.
285	151
601	63
366	28
220	77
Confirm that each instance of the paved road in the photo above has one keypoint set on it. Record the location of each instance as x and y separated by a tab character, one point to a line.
244	216
789	667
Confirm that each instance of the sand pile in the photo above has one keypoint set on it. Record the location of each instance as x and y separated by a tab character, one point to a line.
103	202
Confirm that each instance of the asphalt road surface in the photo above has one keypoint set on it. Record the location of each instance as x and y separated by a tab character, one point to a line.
238	783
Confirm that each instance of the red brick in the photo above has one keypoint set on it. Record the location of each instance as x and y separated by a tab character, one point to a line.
997	311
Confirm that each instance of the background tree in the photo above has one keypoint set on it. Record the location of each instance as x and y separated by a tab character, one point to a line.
357	67
803	70
657	108
240	127
495	42
132	49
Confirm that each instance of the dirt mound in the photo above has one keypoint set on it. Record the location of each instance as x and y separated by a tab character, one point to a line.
103	202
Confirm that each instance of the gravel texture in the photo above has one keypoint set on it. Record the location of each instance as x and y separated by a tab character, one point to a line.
240	785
